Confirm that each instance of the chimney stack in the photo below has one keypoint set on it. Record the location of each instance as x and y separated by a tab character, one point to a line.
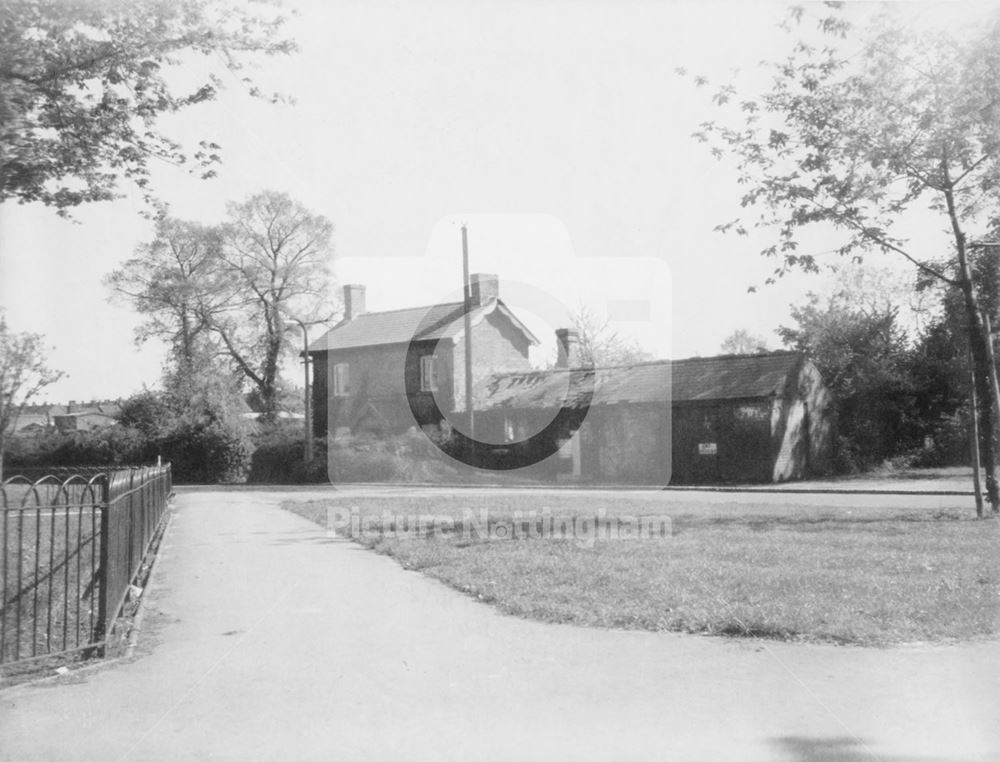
354	301
484	286
566	341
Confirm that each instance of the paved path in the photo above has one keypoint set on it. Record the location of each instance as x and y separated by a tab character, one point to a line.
266	639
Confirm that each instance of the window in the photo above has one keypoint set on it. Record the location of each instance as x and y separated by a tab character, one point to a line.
341	380
428	382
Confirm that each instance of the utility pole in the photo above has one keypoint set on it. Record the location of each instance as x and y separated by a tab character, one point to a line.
977	483
308	400
467	286
992	248
994	383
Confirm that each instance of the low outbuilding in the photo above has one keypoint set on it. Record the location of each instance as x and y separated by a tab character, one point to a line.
702	420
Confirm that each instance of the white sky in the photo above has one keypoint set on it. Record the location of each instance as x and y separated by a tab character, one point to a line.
558	131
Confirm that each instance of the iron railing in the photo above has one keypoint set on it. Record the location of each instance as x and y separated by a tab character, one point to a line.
71	546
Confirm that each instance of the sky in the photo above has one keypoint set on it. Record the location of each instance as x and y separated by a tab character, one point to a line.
559	133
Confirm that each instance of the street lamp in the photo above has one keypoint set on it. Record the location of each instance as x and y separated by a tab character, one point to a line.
305	364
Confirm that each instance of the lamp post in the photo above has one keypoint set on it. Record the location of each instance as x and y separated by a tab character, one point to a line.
308	400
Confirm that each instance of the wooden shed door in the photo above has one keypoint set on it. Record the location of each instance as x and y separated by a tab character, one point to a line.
706	447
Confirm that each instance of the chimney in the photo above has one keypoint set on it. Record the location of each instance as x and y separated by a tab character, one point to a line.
566	342
484	287
69	407
354	301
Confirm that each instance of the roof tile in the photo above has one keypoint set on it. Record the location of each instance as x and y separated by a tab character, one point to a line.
694	379
438	321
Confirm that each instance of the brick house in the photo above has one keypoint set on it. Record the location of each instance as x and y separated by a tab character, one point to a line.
388	371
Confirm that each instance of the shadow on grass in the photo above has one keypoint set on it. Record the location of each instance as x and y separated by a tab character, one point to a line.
839	749
807	523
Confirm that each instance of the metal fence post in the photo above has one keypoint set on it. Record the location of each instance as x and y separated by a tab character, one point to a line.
101	581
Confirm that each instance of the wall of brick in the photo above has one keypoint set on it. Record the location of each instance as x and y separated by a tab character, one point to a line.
630	441
497	347
790	439
802	428
379	378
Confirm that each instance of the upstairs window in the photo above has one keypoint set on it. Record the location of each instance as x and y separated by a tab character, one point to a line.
428	365
341	380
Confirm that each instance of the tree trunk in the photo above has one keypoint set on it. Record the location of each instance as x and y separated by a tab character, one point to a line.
187	345
981	369
991	364
974	440
269	385
977	344
268	403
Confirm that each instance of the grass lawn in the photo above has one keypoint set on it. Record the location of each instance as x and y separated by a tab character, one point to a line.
870	576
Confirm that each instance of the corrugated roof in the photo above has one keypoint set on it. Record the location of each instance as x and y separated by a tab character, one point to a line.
733	376
438	321
690	380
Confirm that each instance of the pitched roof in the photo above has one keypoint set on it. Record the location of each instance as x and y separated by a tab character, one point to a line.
690	380
733	376
437	321
86	414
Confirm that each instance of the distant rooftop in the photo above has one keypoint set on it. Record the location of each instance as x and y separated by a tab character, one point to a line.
108	407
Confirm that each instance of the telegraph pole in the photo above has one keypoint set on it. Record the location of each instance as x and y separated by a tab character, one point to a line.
993	399
308	454
467	286
974	439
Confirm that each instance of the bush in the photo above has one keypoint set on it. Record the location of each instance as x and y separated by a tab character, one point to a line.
408	457
207	452
112	445
278	457
207	445
949	442
347	465
146	411
200	452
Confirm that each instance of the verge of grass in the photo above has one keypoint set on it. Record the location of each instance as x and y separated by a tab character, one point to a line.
47	560
866	576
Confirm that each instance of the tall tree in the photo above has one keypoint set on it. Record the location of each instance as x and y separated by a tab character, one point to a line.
229	291
84	82
599	344
864	358
275	259
861	127
23	374
176	283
